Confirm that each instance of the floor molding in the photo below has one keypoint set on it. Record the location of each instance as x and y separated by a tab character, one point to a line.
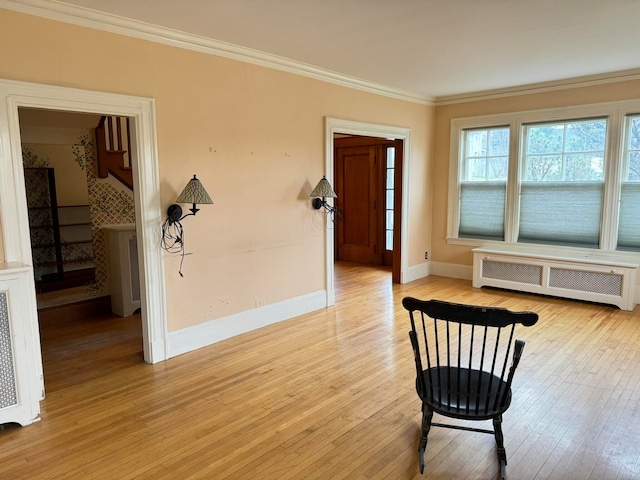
213	331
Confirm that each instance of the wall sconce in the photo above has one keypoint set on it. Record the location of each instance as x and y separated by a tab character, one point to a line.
193	193
323	190
172	231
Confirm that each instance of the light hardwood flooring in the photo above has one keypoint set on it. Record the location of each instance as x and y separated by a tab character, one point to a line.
330	395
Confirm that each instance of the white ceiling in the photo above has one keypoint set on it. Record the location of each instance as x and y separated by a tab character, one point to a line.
433	48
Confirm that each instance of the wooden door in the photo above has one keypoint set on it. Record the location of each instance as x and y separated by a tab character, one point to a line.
368	173
356	182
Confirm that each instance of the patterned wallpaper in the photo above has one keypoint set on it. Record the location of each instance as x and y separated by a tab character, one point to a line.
30	159
40	218
108	204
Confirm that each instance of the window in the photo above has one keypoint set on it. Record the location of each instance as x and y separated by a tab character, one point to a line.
484	183
561	192
629	222
563	178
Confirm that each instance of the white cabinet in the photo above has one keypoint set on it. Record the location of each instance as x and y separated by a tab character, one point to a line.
123	269
21	380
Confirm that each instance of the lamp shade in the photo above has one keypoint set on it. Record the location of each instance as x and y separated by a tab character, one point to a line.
323	189
194	192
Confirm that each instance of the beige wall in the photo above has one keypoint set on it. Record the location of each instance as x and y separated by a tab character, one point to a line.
254	136
609	92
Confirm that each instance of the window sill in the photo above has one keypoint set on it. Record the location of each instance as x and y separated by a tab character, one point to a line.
605	257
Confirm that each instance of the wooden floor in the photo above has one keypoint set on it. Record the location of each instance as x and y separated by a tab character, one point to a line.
330	395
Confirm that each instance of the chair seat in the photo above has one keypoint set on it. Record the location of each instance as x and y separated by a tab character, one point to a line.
460	396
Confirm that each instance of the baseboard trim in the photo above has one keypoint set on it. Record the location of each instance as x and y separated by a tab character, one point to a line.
416	272
451	270
213	331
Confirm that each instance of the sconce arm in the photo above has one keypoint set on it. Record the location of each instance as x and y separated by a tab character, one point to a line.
318	203
174	212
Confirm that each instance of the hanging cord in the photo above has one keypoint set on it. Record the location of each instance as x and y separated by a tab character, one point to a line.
173	239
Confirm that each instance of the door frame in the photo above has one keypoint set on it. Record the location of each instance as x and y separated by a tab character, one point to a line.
350	127
13	204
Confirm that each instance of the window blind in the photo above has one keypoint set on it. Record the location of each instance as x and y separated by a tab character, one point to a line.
482	207
629	220
561	213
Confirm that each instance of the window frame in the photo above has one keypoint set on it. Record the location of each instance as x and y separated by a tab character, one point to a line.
616	114
457	152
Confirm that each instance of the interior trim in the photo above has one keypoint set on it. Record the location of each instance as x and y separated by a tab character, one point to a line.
86	17
90	18
530	89
15	220
335	126
204	334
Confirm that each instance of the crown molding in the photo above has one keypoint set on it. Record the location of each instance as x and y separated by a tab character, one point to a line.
85	17
89	18
576	82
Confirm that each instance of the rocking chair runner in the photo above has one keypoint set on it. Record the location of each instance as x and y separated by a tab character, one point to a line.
466	349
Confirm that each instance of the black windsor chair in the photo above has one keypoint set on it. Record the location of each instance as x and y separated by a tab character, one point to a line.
466	349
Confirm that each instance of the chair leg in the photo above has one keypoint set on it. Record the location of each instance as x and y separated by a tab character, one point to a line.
502	454
427	415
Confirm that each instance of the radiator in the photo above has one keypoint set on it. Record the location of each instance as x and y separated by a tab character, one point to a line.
8	392
594	280
21	383
123	269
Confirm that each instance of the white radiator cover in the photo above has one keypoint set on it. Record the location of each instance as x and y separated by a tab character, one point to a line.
595	280
123	269
21	381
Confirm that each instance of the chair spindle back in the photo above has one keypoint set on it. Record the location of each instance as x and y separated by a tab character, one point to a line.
458	342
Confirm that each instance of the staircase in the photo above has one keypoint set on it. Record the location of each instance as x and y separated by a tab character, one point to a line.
113	144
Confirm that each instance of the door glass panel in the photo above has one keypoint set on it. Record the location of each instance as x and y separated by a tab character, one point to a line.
390	200
390	178
389	241
391	158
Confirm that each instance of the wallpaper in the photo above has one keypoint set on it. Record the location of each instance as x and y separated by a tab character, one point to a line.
108	205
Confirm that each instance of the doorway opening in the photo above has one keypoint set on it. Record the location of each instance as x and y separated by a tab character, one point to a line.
376	226
85	277
365	173
16	236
